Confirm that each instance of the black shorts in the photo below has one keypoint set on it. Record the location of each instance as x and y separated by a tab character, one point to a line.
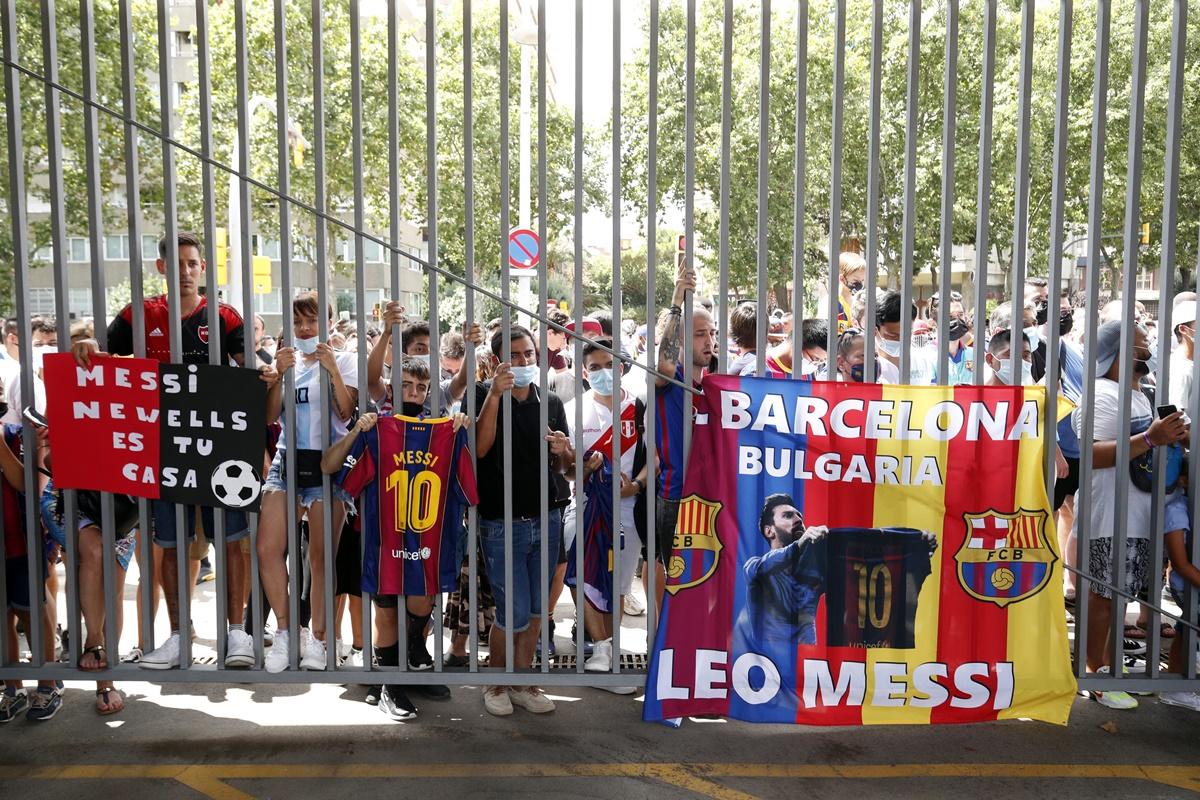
347	568
666	512
386	600
1065	487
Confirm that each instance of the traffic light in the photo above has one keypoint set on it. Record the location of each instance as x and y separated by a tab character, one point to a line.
1145	233
680	251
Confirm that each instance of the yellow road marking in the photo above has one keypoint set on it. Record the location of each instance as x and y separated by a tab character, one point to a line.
210	779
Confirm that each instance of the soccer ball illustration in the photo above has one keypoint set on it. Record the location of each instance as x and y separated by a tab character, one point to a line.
235	483
1003	578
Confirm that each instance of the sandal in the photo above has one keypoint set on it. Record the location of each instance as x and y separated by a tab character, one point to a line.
1166	630
1134	632
99	664
105	705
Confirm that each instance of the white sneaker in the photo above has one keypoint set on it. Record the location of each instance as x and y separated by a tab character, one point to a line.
633	605
354	660
1182	699
165	656
239	649
497	701
601	658
619	689
1116	699
343	650
530	698
277	657
312	651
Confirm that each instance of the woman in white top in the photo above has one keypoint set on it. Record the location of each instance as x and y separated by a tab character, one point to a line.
311	360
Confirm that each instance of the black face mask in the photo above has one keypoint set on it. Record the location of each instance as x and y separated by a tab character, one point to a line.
1065	322
958	329
3	409
1043	312
411	409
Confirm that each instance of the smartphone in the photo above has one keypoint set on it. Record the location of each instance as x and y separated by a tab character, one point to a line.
34	418
1166	411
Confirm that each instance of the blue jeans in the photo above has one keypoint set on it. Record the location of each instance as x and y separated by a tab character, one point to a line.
526	588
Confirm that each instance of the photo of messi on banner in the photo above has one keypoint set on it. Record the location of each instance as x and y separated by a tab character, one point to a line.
862	554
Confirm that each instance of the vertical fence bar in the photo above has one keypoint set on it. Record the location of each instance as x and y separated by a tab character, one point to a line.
216	330
835	185
577	307
58	235
764	127
798	187
1062	97
469	267
1166	289
320	274
652	587
133	206
1020	248
360	303
946	247
435	372
506	335
689	223
543	346
91	137
171	228
18	216
1133	199
983	194
1083	511
726	128
910	188
873	199
617	444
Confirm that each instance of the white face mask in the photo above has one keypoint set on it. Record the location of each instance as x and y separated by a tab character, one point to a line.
1005	368
307	346
39	353
889	347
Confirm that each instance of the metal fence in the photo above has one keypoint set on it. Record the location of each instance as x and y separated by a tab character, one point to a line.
22	70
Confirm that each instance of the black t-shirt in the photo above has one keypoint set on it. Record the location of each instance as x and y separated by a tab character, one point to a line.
528	439
194	329
873	579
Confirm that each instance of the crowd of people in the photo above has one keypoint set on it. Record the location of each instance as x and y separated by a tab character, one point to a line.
508	403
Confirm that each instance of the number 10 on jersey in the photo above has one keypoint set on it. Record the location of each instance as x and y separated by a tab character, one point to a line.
415	498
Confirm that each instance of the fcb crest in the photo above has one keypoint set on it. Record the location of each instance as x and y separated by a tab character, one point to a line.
1005	558
696	547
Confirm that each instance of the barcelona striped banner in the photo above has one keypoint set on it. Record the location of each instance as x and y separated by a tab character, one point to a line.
853	553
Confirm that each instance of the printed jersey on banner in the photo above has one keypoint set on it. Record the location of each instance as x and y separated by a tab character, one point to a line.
416	478
193	328
875	577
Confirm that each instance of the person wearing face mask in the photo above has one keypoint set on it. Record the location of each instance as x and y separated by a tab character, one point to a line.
1146	434
604	418
414	338
1006	367
888	345
527	441
852	272
44	338
851	358
1183	325
957	338
313	362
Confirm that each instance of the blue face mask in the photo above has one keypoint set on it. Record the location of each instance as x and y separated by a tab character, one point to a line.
1034	337
307	346
523	376
602	381
858	372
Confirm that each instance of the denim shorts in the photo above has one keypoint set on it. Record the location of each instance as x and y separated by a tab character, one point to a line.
237	525
526	588
48	504
306	496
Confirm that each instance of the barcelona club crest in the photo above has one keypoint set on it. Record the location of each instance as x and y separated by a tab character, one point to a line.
1005	558
696	547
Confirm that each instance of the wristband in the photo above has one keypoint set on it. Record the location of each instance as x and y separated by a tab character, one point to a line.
676	311
1146	437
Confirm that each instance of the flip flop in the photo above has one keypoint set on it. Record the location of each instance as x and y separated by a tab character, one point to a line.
1134	632
98	653
104	704
1166	630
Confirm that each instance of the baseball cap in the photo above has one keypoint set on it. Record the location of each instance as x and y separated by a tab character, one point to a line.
1184	314
1108	344
591	327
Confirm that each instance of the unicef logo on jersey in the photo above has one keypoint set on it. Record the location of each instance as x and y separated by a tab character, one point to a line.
696	547
1005	558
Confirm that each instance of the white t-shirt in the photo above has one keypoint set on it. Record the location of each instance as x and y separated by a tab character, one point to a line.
10	375
16	407
1179	393
1106	412
309	414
